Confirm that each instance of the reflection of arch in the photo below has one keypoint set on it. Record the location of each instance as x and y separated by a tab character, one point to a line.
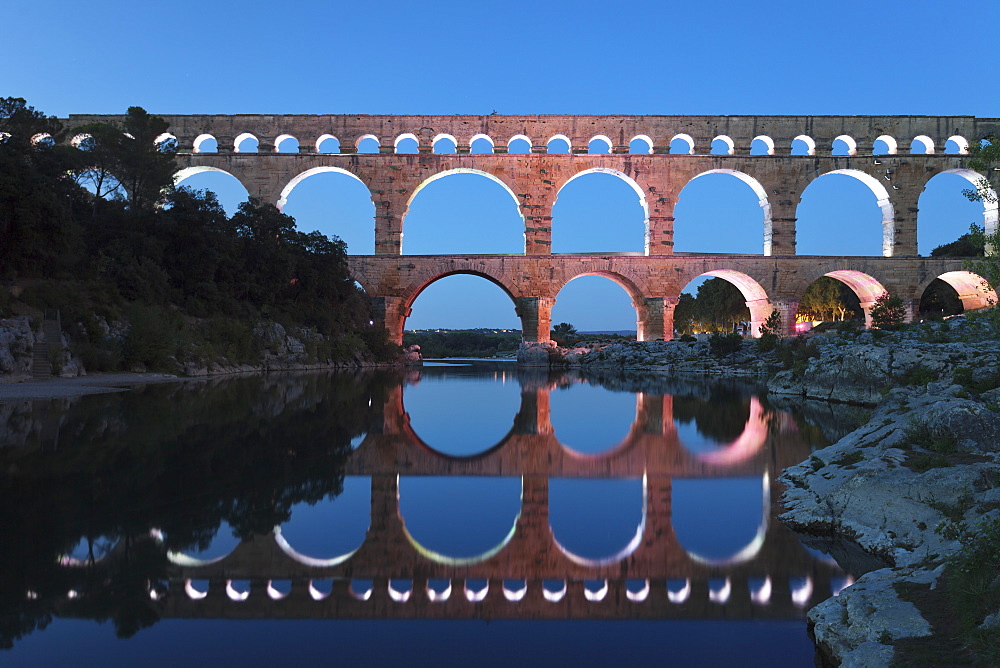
890	144
287	190
974	290
412	436
884	204
608	408
306	560
623	553
990	205
761	194
852	146
748	551
686	138
440	558
746	445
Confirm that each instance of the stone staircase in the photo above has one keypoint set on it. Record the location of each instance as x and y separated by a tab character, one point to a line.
45	350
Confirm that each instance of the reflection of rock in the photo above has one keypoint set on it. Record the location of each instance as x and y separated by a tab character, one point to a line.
833	420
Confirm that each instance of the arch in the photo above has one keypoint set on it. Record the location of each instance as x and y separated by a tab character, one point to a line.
246	136
481	138
413	291
326	138
589	422
559	137
881	199
199	144
745	446
926	141
628	181
523	138
717	502
464	170
960	143
581	305
866	287
890	144
42	139
444	137
762	200
727	141
336	208
330	531
285	139
80	141
766	142
633	148
302	176
681	136
403	138
425	517
851	145
229	197
809	142
164	141
603	501
362	138
974	290
599	138
990	203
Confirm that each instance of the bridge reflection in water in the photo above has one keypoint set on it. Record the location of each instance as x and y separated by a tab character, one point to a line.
528	574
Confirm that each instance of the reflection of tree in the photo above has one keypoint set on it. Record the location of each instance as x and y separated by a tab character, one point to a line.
182	458
721	417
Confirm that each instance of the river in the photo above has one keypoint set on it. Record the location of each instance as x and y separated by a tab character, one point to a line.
454	514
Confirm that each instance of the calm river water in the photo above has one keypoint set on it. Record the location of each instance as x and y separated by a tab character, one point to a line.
456	515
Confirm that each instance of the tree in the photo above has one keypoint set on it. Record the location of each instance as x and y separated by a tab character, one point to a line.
967	245
888	312
721	305
770	331
563	333
828	299
686	314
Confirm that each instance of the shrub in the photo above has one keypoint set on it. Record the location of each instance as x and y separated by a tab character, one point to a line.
888	312
724	344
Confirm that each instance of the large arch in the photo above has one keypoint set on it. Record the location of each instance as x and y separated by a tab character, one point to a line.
754	294
415	289
974	290
628	284
742	502
990	204
229	197
567	530
630	182
355	222
758	191
865	286
882	200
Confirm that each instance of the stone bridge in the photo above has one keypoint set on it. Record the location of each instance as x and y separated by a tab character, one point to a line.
270	155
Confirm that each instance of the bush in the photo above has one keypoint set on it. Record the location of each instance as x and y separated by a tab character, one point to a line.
724	344
152	336
888	312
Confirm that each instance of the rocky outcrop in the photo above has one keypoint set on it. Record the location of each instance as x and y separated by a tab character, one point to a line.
17	343
672	357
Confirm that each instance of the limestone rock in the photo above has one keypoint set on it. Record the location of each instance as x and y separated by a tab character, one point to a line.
412	356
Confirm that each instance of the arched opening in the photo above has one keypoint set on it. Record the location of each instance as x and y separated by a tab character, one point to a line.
922	144
945	214
724	429
827	299
334	202
463	211
519	144
330	530
640	145
286	144
844	145
803	145
206	144
465	417
762	145
723	145
459	520
246	143
368	144
720	521
866	288
229	191
682	144
956	145
595	306
884	145
166	142
558	144
327	144
599	211
42	139
462	301
481	144
599	145
956	292
708	305
589	420
444	144
223	542
722	211
597	522
407	144
845	212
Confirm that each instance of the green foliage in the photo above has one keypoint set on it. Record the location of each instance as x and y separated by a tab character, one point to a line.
152	337
457	343
770	332
829	299
564	334
794	354
850	459
975	383
918	375
724	344
888	312
975	589
967	245
720	305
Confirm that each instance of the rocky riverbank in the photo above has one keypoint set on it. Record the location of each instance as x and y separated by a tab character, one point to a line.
917	488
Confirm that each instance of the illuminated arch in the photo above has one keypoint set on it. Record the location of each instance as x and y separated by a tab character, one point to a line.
162	140
890	144
758	190
974	290
281	138
686	138
324	137
926	141
746	445
630	182
443	135
643	138
961	142
883	202
287	190
808	141
852	146
201	139
42	138
602	138
241	138
484	137
78	140
728	141
767	141
752	291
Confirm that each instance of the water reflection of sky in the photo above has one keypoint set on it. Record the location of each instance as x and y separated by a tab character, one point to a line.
589	419
716	518
595	519
332	527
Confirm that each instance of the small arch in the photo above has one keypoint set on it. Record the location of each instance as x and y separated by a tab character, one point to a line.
844	145
762	145
723	145
885	145
481	144
444	144
599	145
165	142
922	145
367	144
406	143
682	144
327	143
803	145
555	145
206	143
640	145
956	145
519	144
245	143
42	139
286	144
82	141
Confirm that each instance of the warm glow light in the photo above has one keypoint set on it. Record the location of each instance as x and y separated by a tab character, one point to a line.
515	594
638	596
476	596
399	596
554	595
234	594
274	593
436	596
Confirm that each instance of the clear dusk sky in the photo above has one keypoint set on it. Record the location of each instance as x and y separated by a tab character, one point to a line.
515	57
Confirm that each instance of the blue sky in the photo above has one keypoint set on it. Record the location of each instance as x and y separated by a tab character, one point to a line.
526	58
